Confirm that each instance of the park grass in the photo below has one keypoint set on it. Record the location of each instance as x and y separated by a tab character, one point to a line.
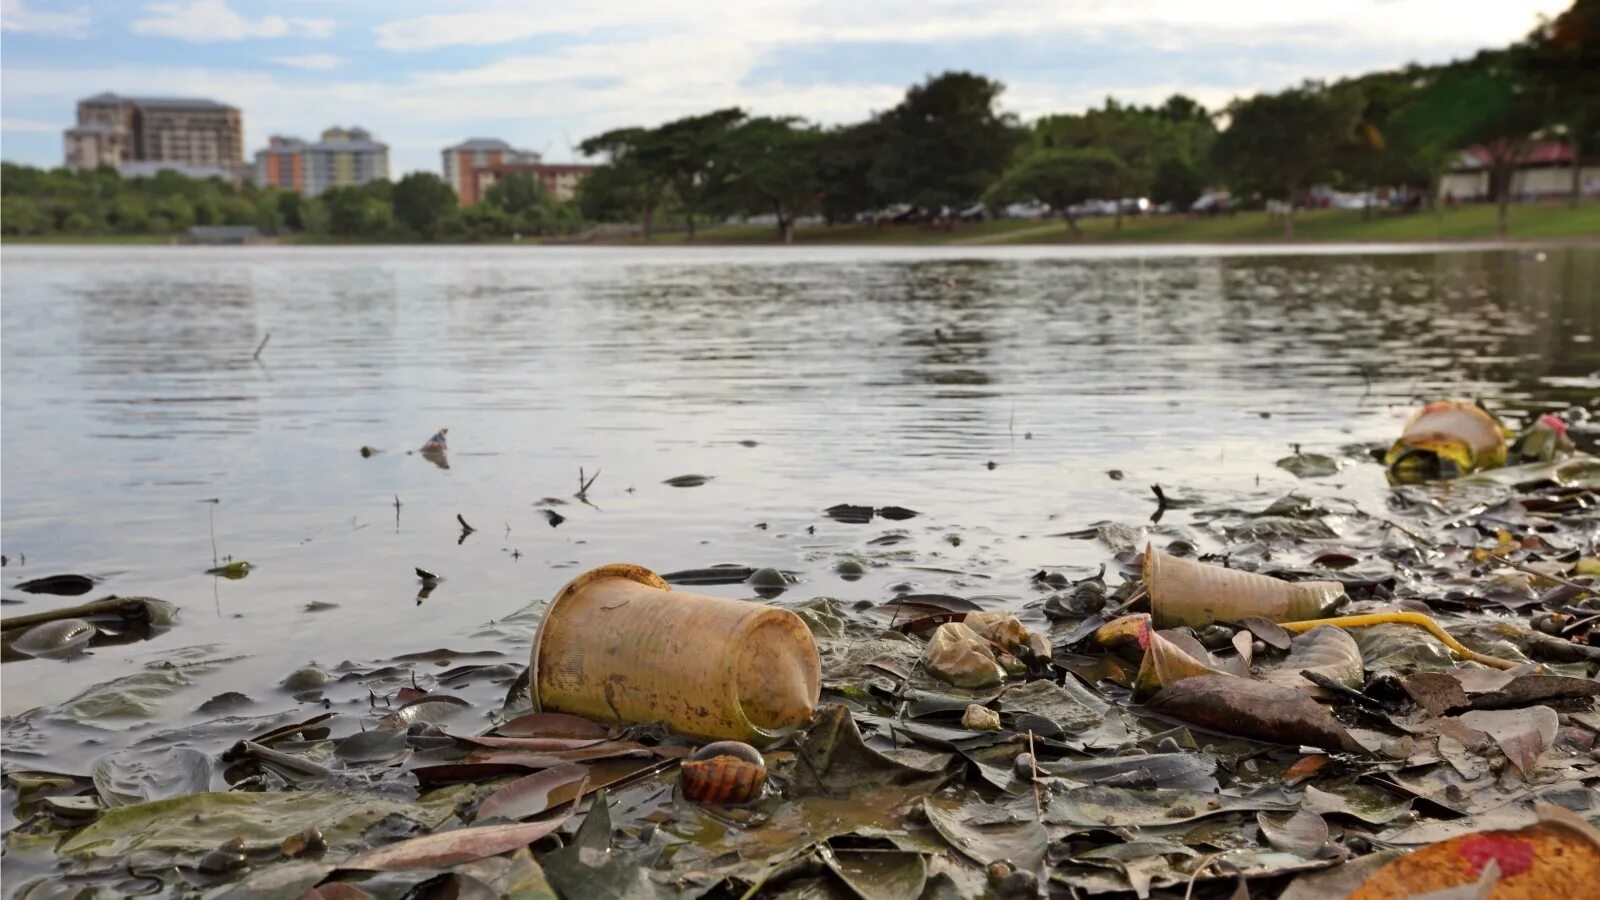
113	239
1528	221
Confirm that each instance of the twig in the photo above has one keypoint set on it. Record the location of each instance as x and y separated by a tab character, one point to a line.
211	523
1161	503
1529	570
1033	761
584	485
262	346
464	526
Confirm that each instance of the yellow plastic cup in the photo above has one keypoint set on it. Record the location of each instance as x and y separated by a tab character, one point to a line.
618	644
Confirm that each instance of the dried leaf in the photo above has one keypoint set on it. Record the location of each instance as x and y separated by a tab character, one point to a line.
447	848
530	795
1020	843
1301	832
1252	709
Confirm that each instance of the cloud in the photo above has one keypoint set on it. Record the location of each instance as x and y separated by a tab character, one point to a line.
203	21
16	16
317	61
32	126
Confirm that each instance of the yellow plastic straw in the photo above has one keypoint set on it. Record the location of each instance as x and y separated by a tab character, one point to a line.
1401	618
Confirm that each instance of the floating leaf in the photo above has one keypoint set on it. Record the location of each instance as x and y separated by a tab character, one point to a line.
1171	771
232	571
371	747
139	776
713	575
1309	465
1326	651
1366	802
1301	832
1522	734
59	585
193	822
530	795
1252	709
552	725
432	709
1096	806
687	481
446	848
1020	843
880	874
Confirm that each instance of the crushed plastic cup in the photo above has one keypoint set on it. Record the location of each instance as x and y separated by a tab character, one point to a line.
1446	439
618	644
1186	592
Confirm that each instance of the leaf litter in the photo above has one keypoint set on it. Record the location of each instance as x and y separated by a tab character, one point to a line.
1238	743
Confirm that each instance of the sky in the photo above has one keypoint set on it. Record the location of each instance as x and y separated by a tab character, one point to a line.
545	75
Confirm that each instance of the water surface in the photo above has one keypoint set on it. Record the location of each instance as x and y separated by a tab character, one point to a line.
989	389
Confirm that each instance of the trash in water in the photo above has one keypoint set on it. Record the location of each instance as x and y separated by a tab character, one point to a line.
1187	592
437	442
618	644
1446	439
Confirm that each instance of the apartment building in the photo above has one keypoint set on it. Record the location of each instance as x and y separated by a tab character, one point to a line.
559	180
185	131
343	157
462	160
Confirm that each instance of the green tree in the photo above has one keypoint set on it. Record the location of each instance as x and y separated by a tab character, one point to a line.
949	141
291	210
421	202
1177	181
853	169
614	192
1059	179
1278	143
693	149
130	216
1563	59
516	193
772	167
639	156
20	214
1487	103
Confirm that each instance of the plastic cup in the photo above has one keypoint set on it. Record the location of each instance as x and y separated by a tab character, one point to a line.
1186	592
619	645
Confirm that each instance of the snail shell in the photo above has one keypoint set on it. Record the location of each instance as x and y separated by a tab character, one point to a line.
724	773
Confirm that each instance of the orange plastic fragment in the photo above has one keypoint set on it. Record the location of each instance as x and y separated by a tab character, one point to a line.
1558	857
1303	768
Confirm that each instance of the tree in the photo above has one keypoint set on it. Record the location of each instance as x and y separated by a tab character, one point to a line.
1178	182
692	149
20	214
949	141
1486	105
852	169
1059	179
614	192
516	193
1277	143
1563	59
421	201
290	210
772	168
638	155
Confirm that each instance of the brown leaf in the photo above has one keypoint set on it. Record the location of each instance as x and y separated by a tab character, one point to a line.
1252	709
1436	692
530	795
448	848
552	725
1522	734
533	745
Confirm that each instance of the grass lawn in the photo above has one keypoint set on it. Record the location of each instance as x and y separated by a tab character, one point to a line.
1476	222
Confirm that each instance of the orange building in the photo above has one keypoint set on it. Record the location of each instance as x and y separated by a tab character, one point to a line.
463	159
559	180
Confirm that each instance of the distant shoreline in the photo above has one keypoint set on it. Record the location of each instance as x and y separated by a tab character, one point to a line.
1542	223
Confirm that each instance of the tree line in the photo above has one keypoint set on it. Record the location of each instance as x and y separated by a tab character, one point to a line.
944	150
947	146
420	206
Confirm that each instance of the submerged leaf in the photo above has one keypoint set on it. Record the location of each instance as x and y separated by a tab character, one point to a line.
1020	843
59	585
1309	465
880	874
135	776
193	822
1098	805
447	848
531	794
1327	651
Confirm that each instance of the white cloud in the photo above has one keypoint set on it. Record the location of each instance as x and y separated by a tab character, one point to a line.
203	21
16	16
316	61
33	126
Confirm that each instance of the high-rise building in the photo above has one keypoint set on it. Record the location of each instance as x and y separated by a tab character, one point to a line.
461	160
342	158
186	132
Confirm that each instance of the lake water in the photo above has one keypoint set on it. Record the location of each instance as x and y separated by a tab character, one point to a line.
989	389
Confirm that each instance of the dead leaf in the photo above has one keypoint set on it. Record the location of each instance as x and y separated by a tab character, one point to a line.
1252	709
